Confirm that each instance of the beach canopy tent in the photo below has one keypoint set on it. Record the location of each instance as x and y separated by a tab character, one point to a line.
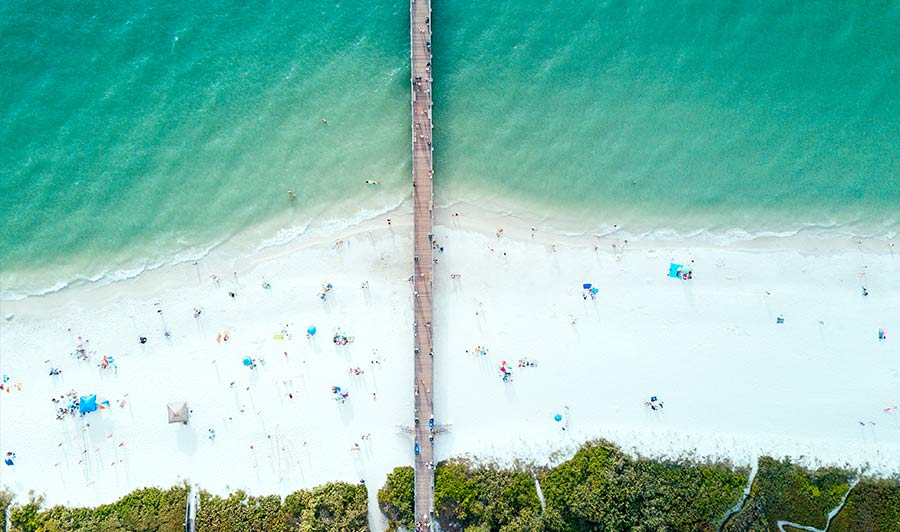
87	403
178	412
675	270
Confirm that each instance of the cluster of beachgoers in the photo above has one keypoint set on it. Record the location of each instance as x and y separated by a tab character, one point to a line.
767	346
200	365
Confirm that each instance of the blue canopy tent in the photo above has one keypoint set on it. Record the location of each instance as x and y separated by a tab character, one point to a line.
675	270
87	403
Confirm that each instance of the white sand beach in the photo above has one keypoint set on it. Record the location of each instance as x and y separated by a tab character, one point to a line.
733	383
302	439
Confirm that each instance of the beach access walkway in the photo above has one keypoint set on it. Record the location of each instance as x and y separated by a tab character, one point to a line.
423	199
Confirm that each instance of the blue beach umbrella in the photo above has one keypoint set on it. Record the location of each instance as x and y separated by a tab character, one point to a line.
311	330
586	286
87	403
557	417
248	361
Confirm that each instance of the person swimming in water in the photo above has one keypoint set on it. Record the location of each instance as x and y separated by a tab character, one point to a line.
372	182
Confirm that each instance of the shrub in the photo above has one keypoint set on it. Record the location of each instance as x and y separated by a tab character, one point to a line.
26	518
143	510
397	498
6	498
466	496
336	506
332	507
240	513
873	506
785	491
601	488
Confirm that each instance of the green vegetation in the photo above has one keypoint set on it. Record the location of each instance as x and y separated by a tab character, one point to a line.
6	498
467	496
872	506
785	491
335	506
751	518
601	488
240	513
397	498
332	507
145	510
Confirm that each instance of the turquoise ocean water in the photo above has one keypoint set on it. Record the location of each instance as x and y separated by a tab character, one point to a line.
129	133
765	116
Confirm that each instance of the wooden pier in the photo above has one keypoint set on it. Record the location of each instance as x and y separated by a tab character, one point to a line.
423	198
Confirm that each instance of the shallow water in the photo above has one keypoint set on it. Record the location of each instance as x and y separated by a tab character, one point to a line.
130	130
661	114
130	133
